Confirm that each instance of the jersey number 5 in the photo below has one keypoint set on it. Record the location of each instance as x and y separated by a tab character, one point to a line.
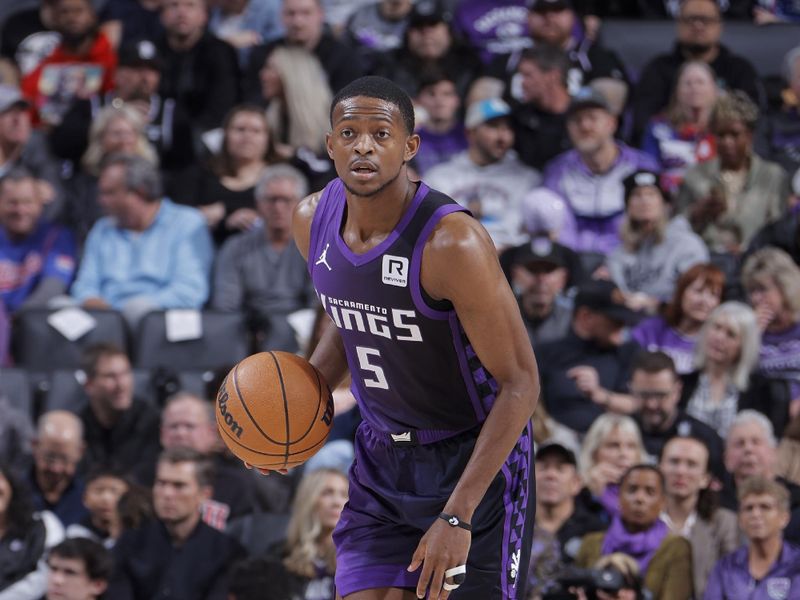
379	379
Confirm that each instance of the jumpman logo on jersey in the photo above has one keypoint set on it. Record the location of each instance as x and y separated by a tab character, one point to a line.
323	258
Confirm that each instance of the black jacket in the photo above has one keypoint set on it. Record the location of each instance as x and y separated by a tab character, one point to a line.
20	553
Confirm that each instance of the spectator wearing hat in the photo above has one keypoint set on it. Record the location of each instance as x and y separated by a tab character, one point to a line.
199	71
136	83
556	23
737	187
561	520
493	27
698	34
304	25
488	177
767	566
540	115
430	45
590	176
20	146
655	249
587	372
442	130
37	257
81	65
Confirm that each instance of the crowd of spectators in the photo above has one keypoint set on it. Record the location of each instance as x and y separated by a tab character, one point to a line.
151	153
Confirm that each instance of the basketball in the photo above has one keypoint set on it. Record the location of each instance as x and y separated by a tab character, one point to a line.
274	410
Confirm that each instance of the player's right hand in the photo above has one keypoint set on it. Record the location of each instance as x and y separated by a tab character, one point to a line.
266	471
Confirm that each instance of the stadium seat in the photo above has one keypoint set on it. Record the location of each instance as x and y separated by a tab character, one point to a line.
64	389
259	531
16	386
224	342
40	348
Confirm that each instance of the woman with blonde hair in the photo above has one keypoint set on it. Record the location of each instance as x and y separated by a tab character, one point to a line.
725	380
679	138
612	445
772	281
296	88
308	554
115	130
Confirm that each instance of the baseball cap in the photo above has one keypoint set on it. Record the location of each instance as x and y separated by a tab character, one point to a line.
554	447
641	178
482	111
548	5
10	97
139	54
587	97
606	298
543	211
427	12
542	250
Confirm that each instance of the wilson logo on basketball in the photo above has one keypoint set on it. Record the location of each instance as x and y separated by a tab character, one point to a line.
327	416
222	401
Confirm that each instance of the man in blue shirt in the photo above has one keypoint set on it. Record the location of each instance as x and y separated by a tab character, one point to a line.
147	253
37	257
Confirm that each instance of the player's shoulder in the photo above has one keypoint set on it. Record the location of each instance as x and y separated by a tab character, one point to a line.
457	236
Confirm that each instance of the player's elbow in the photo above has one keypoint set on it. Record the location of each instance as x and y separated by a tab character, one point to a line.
523	393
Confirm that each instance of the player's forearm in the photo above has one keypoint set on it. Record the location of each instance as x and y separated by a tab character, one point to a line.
329	357
509	416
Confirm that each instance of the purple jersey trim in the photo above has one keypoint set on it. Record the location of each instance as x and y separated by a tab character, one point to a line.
416	263
515	509
466	374
317	224
360	259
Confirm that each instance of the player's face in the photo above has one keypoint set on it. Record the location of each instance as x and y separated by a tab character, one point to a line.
276	204
369	145
68	580
429	41
111	386
183	17
120	135
748	451
247	136
176	494
659	394
15	125
20	207
302	20
591	128
187	423
332	500
557	480
641	499
440	100
699	299
620	448
684	463
492	140
761	517
552	27
101	497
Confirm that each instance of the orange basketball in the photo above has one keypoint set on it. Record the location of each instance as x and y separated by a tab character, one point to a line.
274	410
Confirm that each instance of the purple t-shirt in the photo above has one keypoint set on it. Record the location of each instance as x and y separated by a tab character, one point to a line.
493	27
437	148
655	334
780	356
731	577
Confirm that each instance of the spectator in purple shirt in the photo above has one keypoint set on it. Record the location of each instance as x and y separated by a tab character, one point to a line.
768	566
443	134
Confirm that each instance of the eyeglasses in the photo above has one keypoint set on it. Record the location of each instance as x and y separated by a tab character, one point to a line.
703	20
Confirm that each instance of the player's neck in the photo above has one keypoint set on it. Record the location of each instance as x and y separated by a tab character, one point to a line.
368	217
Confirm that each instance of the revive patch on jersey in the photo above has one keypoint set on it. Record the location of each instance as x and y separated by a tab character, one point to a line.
395	270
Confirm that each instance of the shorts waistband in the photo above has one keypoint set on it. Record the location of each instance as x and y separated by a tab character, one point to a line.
415	437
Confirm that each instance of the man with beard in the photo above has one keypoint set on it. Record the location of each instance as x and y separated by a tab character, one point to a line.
81	66
699	29
488	177
136	82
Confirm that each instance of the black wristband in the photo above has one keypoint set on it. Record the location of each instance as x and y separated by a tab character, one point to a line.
454	521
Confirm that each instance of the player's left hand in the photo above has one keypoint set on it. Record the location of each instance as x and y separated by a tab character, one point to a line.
441	548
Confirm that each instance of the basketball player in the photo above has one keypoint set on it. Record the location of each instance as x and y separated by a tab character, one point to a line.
441	494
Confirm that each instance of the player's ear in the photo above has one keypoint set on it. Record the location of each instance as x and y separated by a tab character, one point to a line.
412	147
328	146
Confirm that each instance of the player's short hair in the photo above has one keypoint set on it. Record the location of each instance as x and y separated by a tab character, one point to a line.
203	467
761	486
96	559
381	88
